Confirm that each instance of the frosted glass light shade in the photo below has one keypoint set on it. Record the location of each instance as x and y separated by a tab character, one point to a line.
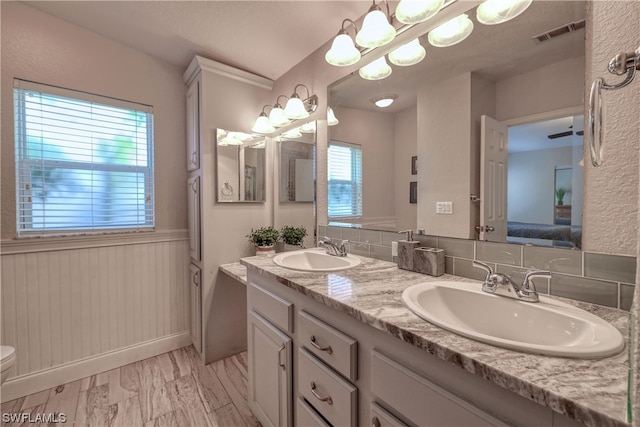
376	30
343	52
377	70
262	125
309	127
293	133
332	120
408	54
451	32
277	117
493	12
415	11
294	109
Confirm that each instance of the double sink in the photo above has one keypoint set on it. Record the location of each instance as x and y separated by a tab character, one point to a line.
548	327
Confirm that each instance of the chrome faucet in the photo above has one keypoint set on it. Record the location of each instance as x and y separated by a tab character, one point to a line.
333	248
503	285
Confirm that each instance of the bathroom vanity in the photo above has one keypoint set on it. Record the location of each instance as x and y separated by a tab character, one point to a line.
342	349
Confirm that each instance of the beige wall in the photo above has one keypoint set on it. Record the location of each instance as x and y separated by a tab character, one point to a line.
40	48
375	133
406	146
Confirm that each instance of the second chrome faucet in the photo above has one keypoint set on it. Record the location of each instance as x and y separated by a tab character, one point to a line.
503	285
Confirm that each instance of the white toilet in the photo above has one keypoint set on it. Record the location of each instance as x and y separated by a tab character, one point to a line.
7	357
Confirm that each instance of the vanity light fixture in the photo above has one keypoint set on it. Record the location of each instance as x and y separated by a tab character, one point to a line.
377	70
296	108
262	124
408	54
332	120
309	127
343	52
451	32
292	133
276	115
493	12
376	28
416	11
384	101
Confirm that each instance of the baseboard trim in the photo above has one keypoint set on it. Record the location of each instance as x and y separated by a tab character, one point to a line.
28	384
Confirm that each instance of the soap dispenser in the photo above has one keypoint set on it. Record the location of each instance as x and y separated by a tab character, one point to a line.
405	251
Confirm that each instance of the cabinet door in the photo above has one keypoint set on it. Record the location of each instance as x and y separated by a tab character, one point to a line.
193	212
196	322
193	126
270	383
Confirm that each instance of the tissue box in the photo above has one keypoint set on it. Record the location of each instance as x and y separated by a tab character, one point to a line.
428	261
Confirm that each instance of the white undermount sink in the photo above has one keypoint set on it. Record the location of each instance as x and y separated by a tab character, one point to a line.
548	327
315	260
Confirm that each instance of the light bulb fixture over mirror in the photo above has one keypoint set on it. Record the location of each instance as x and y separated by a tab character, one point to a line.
332	120
292	134
377	70
451	32
309	127
416	11
408	54
262	124
493	12
343	52
377	29
384	101
297	108
277	117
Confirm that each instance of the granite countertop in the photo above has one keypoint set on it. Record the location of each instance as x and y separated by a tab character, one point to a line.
235	270
593	392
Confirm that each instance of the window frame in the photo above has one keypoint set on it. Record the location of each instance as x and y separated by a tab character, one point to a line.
24	163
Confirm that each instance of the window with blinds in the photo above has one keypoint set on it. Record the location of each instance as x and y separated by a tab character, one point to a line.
84	163
344	180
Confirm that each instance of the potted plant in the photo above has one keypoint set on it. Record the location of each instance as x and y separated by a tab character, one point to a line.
293	236
263	239
560	192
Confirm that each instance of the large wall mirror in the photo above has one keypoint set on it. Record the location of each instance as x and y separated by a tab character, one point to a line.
241	163
421	155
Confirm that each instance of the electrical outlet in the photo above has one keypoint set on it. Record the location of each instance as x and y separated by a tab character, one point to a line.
444	208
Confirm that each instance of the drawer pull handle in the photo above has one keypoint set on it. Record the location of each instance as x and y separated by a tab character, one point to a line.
375	422
317	395
315	344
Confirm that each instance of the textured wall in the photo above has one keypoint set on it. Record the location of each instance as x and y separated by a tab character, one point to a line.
41	48
611	196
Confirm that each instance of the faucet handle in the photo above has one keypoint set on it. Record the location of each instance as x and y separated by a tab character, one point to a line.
484	266
528	282
326	239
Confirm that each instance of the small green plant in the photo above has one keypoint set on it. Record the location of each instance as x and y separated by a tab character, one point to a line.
560	192
293	235
264	236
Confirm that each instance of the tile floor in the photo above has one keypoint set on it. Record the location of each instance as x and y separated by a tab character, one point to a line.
172	389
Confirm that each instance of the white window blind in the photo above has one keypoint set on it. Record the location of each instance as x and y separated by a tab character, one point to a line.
83	162
344	180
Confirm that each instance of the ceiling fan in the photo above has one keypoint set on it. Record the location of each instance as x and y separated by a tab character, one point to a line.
565	133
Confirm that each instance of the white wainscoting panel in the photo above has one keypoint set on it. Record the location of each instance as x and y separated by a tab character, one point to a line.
62	306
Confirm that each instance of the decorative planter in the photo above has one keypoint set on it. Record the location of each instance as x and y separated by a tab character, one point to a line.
265	250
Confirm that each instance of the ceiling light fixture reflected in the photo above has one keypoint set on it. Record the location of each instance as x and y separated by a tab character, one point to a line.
377	70
293	133
416	11
493	12
309	127
343	52
408	54
332	120
376	28
384	101
451	32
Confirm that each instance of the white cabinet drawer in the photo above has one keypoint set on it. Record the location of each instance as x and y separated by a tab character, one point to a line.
271	306
326	391
419	400
307	416
329	344
381	418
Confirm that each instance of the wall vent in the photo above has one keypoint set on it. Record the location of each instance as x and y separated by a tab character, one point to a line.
569	28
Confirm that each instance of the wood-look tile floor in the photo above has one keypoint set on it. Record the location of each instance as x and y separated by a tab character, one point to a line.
172	389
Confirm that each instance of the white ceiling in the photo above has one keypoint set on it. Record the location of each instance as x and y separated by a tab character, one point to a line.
263	37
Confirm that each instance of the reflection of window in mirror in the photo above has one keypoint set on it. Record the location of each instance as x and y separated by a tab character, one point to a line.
344	171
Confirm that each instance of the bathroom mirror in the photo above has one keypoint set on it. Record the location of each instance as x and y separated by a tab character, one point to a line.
241	160
502	67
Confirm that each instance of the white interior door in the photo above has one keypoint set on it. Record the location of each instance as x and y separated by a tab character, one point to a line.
493	180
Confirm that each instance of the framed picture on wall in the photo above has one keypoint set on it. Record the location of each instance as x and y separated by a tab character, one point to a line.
414	165
413	192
